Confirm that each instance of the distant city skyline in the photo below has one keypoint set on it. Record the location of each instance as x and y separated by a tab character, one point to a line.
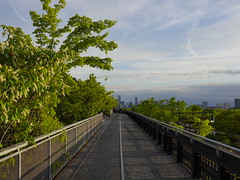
222	104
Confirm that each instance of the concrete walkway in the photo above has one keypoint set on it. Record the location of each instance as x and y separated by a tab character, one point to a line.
122	151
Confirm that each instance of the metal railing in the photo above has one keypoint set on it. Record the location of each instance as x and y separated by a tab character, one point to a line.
204	158
49	154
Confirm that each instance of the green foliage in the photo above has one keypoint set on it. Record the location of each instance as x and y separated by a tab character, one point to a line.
87	98
202	126
47	31
163	110
32	77
148	108
177	114
227	127
230	139
30	83
228	121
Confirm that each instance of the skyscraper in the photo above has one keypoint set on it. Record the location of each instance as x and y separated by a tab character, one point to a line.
122	104
204	104
237	103
119	101
136	101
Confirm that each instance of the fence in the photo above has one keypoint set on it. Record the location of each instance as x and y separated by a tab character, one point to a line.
49	154
202	157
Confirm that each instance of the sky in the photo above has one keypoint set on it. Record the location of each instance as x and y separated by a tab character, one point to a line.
188	49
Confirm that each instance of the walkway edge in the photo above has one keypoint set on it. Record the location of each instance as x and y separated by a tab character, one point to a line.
80	165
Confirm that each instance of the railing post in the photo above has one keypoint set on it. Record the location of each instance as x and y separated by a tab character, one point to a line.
94	129
82	136
90	128
95	125
159	138
149	128
66	142
140	122
167	143
146	125
76	135
179	152
19	165
154	132
170	142
222	174
195	165
50	159
87	130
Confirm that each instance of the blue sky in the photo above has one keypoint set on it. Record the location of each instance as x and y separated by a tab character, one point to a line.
189	49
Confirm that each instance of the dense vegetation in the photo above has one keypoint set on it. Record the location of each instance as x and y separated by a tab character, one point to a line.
86	99
34	74
177	114
225	128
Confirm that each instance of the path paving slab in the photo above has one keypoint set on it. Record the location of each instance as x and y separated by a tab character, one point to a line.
100	159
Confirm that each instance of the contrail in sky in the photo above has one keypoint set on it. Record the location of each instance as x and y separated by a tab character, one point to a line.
18	15
190	37
200	10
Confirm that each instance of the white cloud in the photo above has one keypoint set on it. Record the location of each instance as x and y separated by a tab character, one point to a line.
167	44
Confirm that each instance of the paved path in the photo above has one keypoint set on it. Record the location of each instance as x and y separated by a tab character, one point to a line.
122	151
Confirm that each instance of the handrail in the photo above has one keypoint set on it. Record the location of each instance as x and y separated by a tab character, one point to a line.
202	157
42	137
191	134
53	150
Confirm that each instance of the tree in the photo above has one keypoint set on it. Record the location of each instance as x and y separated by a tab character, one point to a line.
162	110
228	121
86	99
32	74
175	107
196	119
227	127
176	114
202	127
148	107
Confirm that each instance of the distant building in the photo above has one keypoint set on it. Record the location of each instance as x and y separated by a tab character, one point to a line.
219	106
213	107
204	104
119	100
136	101
130	105
237	103
226	106
122	104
